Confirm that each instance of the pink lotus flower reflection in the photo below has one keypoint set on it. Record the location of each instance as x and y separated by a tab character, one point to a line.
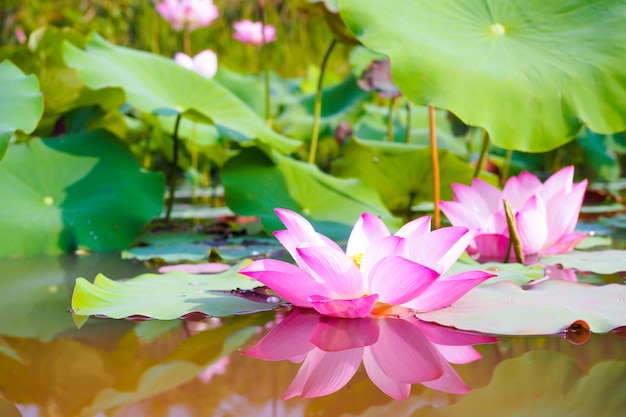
396	352
377	270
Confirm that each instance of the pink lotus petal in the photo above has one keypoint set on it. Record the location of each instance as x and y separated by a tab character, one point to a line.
566	243
458	354
289	340
300	229
183	60
204	268
367	229
323	373
405	354
447	290
394	389
414	228
563	212
559	182
205	63
349	309
492	247
440	248
333	334
532	228
287	280
388	246
449	382
250	32
458	214
334	270
397	280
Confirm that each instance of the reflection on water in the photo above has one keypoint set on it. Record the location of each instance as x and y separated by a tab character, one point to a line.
110	368
396	352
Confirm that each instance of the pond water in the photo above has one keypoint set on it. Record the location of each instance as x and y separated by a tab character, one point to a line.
118	368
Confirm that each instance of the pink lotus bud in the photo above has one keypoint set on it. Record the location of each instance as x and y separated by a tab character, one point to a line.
204	63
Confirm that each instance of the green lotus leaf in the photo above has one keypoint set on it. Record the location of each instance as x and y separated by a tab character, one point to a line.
600	262
255	185
531	72
21	103
559	387
153	82
166	296
78	191
401	174
548	307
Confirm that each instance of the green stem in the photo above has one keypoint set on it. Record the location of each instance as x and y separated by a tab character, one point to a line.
392	104
265	66
173	172
317	107
434	153
506	166
513	234
407	132
187	41
483	154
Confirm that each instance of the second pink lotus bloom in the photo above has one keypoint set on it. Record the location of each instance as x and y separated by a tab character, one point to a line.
545	214
376	270
250	32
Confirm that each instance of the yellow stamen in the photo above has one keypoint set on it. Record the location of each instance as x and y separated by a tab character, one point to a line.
357	259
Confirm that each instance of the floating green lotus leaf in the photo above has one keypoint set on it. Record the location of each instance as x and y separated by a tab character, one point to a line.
255	185
154	83
21	103
559	387
548	307
78	191
167	296
600	262
531	72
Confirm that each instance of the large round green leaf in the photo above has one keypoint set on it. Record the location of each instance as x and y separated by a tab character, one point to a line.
21	103
156	84
255	185
531	72
81	191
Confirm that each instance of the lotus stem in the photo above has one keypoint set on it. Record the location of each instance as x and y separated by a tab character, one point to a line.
506	166
265	65
317	107
392	104
484	150
407	132
435	166
187	42
514	238
170	201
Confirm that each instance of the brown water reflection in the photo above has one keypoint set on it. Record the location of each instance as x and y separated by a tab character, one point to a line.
176	369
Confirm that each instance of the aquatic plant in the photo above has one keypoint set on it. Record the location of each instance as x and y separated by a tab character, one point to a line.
376	270
545	214
254	33
395	353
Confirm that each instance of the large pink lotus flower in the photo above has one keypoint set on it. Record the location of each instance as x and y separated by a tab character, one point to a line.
204	63
188	14
376	270
396	352
251	32
545	214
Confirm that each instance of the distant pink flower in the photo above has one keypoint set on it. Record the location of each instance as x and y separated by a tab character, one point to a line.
545	214
204	63
188	14
396	352
377	270
249	32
